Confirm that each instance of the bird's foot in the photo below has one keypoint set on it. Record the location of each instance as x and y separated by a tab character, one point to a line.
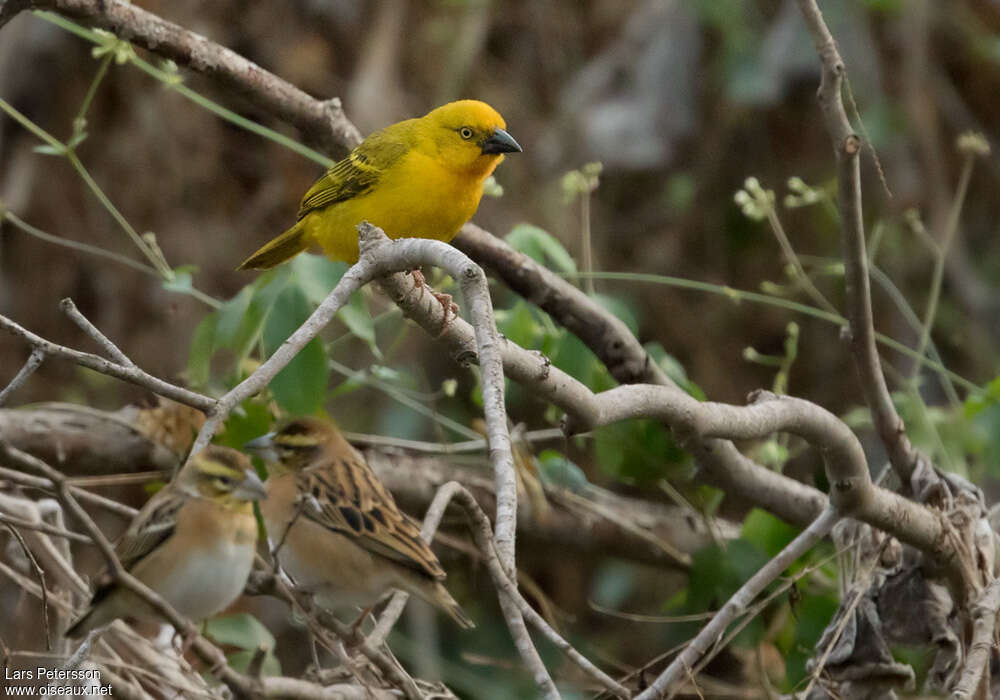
446	301
356	626
419	281
450	310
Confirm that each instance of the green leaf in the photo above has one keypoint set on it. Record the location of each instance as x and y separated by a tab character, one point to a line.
572	356
358	319
518	324
717	574
231	316
240	661
620	308
541	246
639	451
673	369
556	470
300	387
316	275
242	630
766	532
251	420
182	281
813	615
977	403
200	352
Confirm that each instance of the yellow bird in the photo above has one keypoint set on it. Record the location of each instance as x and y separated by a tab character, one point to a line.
419	178
336	530
193	543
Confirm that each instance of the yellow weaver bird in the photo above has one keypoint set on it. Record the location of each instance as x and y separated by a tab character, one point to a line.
419	178
336	530
193	543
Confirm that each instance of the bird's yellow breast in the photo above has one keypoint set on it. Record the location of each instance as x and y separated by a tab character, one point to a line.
417	198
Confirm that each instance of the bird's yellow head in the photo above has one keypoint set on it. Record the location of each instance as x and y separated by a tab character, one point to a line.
298	444
468	136
222	475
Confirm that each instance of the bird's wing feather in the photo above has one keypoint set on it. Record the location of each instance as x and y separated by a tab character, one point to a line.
345	496
153	525
356	174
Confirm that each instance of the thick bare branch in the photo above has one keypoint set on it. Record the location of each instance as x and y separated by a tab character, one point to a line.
853	493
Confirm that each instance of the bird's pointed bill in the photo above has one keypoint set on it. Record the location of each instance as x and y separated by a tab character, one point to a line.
500	142
263	447
251	489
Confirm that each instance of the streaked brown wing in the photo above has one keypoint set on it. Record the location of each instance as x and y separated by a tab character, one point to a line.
151	527
352	501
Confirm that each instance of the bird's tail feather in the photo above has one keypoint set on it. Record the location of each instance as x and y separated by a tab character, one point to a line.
278	250
89	621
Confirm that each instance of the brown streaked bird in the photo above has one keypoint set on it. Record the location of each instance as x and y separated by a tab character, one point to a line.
334	527
193	543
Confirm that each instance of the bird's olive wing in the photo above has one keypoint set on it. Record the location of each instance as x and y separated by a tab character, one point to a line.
355	175
345	496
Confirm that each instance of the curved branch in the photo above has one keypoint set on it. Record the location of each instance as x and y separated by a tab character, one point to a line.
853	493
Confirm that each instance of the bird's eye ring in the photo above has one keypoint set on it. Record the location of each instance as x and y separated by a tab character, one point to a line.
465	132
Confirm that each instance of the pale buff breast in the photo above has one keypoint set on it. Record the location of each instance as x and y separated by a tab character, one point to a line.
202	569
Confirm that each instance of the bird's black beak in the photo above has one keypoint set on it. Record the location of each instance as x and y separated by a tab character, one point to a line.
500	142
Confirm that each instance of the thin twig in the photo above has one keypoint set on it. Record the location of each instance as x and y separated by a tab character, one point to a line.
110	349
44	527
48	485
667	682
940	256
132	375
79	246
41	581
33	362
847	148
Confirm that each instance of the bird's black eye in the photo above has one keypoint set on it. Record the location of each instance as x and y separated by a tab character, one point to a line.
465	132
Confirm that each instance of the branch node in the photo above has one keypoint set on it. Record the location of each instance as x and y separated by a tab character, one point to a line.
852	144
